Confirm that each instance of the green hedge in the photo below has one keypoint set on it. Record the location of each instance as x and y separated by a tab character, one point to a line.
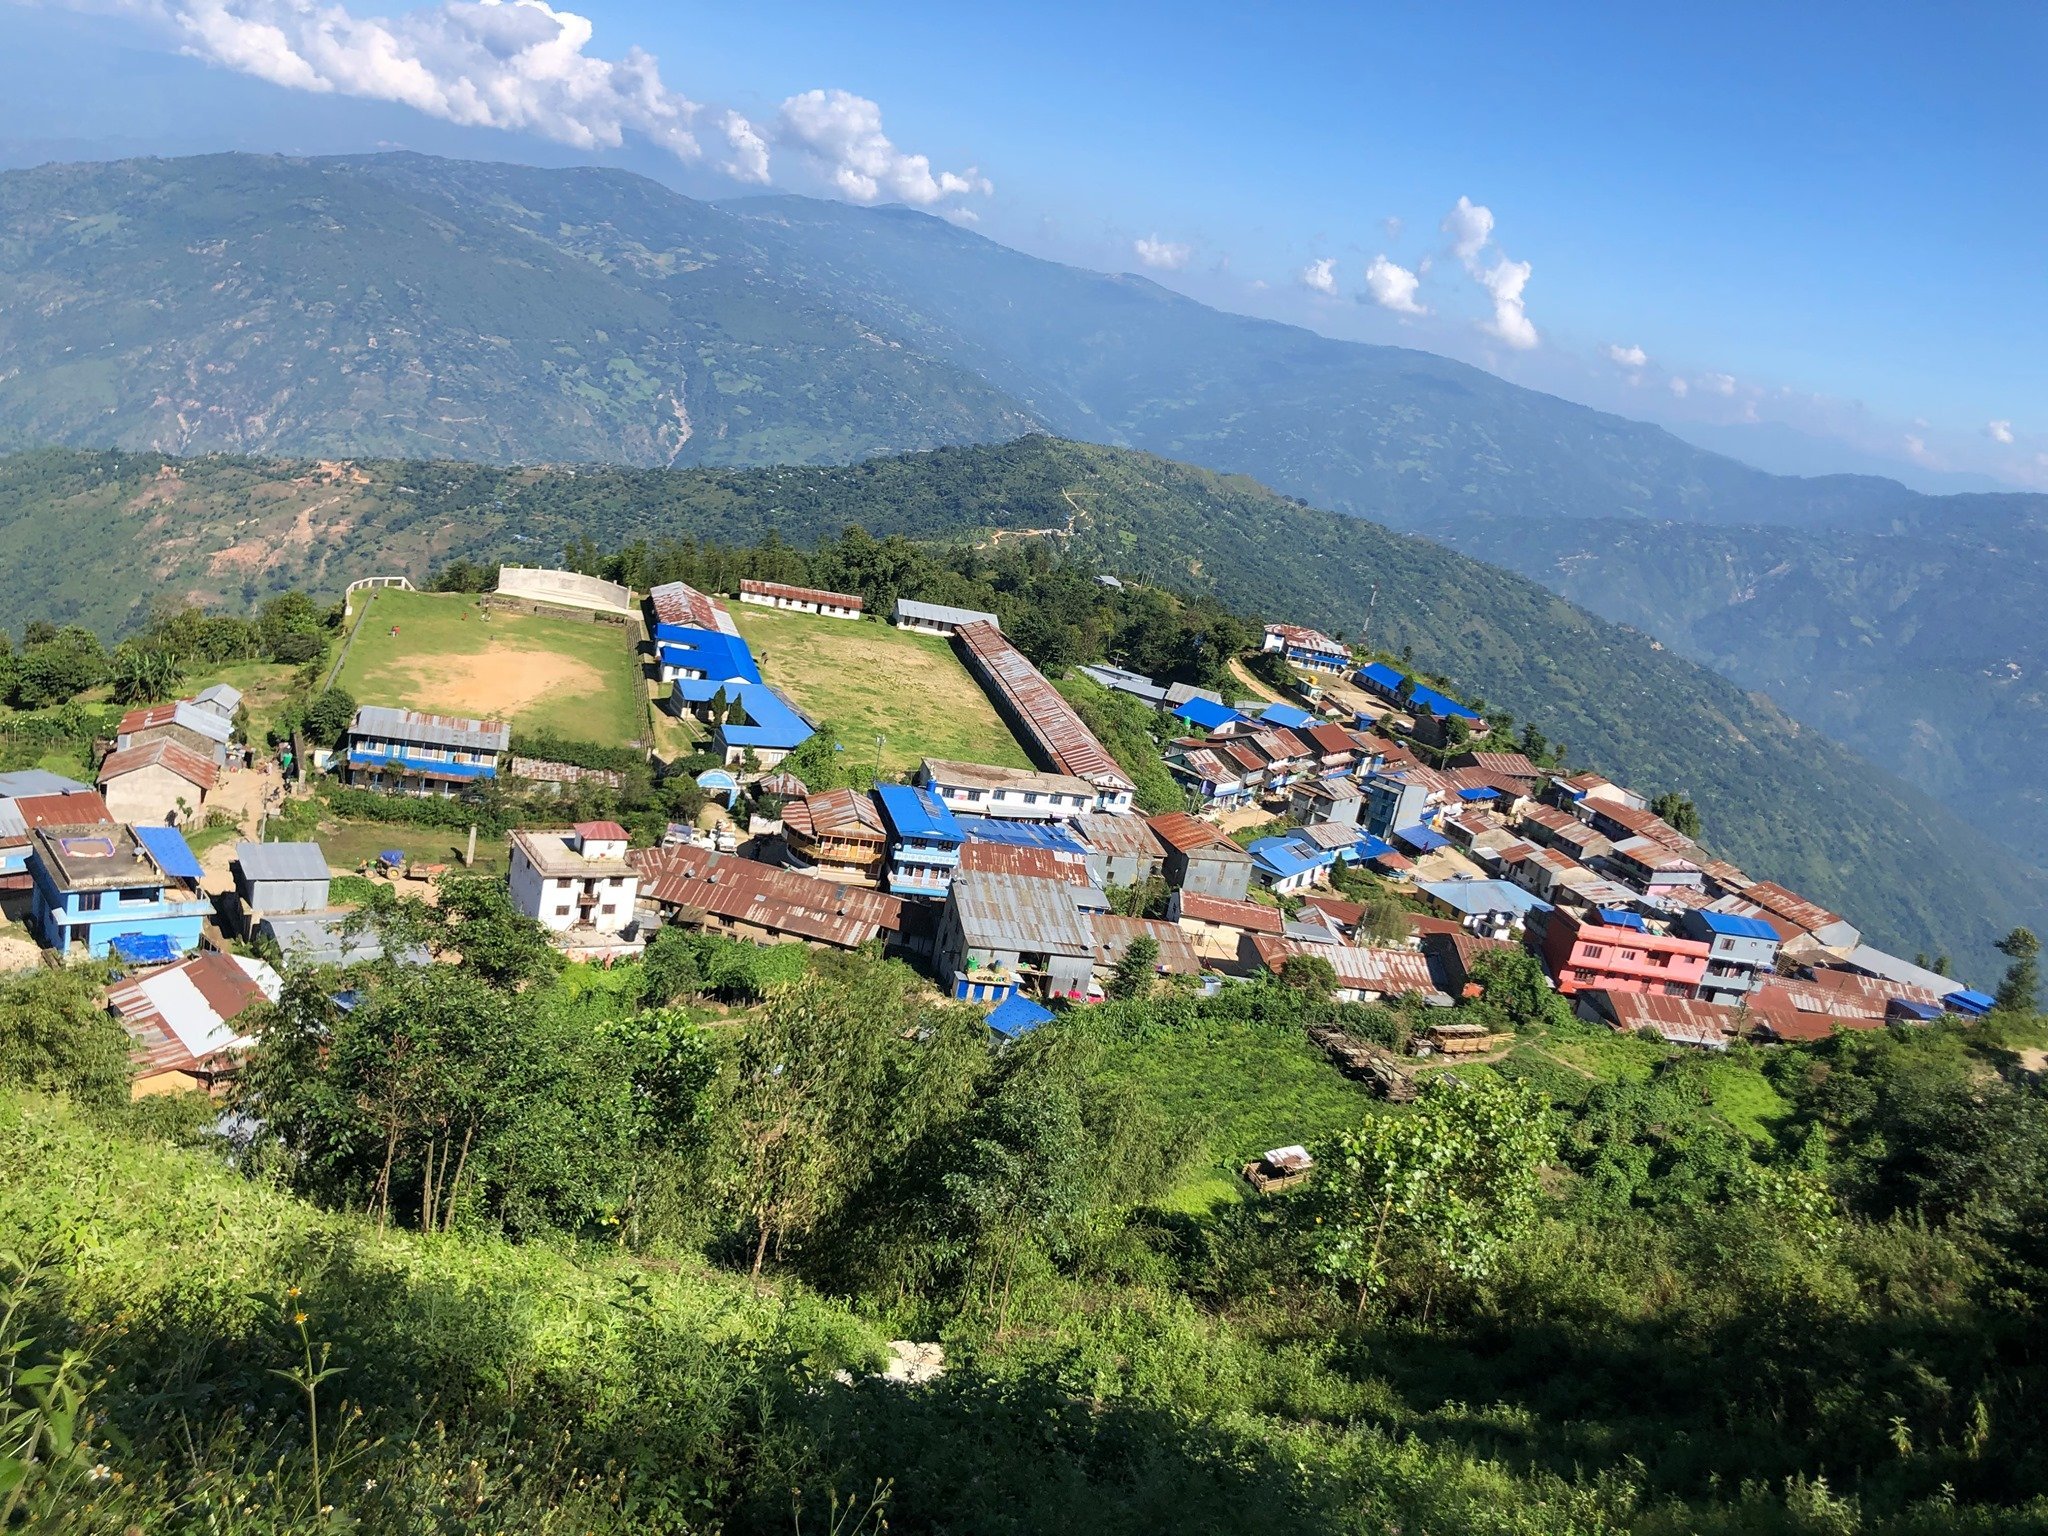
583	754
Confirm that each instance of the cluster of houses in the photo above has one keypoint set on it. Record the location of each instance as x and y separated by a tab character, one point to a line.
997	881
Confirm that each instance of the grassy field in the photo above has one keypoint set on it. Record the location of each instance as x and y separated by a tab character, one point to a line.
572	679
1241	1089
348	844
869	679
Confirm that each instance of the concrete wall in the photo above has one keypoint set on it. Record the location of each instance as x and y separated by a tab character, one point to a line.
149	797
568	588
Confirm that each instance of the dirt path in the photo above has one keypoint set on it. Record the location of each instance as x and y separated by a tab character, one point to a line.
1240	673
242	794
1074	511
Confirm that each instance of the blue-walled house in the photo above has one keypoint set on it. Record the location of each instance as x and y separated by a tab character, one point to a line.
402	751
924	840
94	882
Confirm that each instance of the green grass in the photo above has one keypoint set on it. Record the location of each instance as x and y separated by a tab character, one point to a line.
265	687
868	679
348	844
1242	1089
1746	1100
573	679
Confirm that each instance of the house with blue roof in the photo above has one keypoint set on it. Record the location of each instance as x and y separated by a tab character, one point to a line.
1385	682
745	719
1207	714
1288	717
701	654
1289	862
1742	952
94	883
924	841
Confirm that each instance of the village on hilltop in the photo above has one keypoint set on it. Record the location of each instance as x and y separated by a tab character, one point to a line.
1341	820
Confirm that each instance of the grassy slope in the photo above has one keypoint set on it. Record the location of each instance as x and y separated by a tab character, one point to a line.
869	679
443	636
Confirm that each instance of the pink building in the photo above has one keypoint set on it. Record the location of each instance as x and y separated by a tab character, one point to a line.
1613	951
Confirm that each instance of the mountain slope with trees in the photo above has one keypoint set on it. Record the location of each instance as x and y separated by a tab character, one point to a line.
1775	795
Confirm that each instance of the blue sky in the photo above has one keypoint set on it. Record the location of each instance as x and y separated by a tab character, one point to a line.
1822	218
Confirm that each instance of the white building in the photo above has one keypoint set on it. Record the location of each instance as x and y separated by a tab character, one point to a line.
780	594
938	618
1017	794
576	883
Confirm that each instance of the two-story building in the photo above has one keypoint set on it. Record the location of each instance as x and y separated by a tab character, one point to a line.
100	885
1309	648
924	841
1014	794
1201	858
836	833
1617	951
1394	798
1741	953
402	751
161	782
575	883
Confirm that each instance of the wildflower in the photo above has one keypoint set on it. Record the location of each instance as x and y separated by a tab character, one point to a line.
369	1485
293	1292
100	1472
298	1317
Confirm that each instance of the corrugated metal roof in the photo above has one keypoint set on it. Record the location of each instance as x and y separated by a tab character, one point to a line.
1388	972
915	812
1114	835
281	861
389	724
38	781
1247	915
1061	736
1179	830
173	855
1019	914
1027	860
723	657
779	900
1021	834
1017	1015
788	593
940	613
679	603
173	756
1733	925
1114	934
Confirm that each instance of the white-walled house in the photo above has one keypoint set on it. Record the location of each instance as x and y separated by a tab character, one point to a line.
576	879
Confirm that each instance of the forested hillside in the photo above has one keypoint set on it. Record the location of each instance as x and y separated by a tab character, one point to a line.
1779	798
1918	643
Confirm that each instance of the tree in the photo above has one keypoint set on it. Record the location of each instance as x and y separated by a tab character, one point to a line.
1432	1197
2020	991
141	675
1385	922
58	668
1514	982
328	717
1311	974
1135	971
288	628
56	1037
1678	811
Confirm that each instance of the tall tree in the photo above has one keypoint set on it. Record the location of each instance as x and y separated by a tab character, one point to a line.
2020	991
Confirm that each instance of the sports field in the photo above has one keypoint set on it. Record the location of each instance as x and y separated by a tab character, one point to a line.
868	679
442	652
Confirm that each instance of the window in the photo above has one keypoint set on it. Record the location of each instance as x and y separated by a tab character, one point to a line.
616	880
1630	954
562	911
1031	797
608	908
1595	951
88	901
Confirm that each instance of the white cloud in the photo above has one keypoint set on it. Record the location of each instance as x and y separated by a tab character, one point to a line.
1161	255
1916	449
842	135
525	66
1505	280
1470	226
1999	431
1393	226
749	160
1679	387
1393	287
1717	383
1631	358
1320	276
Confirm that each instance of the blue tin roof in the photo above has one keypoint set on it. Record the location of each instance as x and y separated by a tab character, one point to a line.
1206	713
1924	1012
1733	925
1286	716
1380	675
1479	792
710	651
770	721
1472	897
431	765
172	854
1016	1015
1285	856
1972	1003
1019	834
1421	839
1621	917
915	812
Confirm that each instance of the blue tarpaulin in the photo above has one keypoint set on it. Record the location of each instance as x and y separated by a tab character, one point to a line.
392	857
172	854
1016	1015
1421	839
1019	834
144	948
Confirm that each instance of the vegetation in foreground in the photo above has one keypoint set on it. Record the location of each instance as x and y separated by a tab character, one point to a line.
527	1248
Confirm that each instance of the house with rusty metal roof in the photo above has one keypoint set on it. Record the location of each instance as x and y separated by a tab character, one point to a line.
1042	719
160	782
1032	929
720	893
182	1019
815	600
